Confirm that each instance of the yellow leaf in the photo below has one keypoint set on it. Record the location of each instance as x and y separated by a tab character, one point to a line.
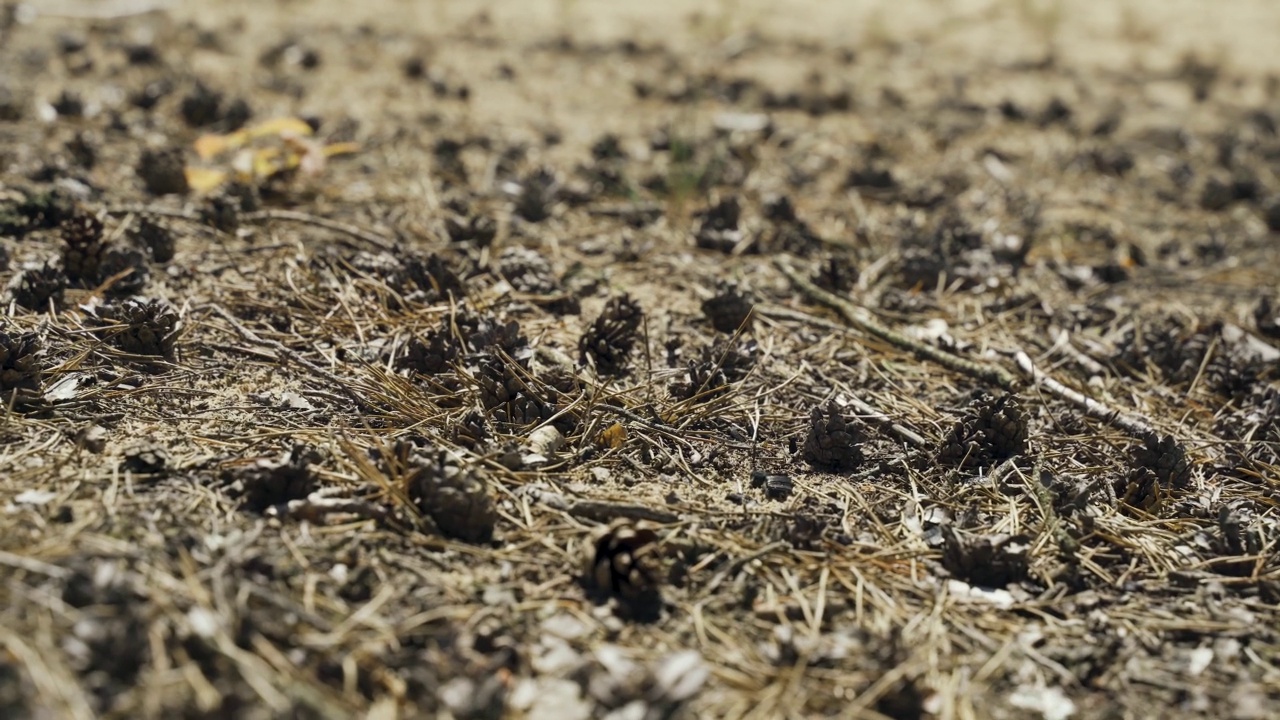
210	146
203	179
279	127
342	148
613	436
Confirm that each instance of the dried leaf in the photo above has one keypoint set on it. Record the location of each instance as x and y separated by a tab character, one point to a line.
204	179
614	436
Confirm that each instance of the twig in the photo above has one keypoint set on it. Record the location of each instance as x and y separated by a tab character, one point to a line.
284	353
316	509
904	433
605	511
860	319
358	233
1135	426
32	565
741	562
154	210
1052	522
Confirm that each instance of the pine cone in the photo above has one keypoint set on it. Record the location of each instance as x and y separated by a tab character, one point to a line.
527	271
992	429
836	273
833	443
35	211
38	285
483	333
1165	458
609	340
270	482
537	195
716	367
435	277
455	496
430	355
506	395
157	238
986	560
163	171
477	230
718	226
472	432
118	260
730	308
1164	344
787	232
82	256
623	563
1265	315
20	367
151	326
221	211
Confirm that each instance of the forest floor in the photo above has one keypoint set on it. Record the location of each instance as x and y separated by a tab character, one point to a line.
568	360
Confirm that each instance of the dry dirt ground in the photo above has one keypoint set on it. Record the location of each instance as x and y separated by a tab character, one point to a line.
644	360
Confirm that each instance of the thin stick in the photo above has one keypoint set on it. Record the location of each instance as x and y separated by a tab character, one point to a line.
1135	426
904	433
861	320
262	216
284	353
358	233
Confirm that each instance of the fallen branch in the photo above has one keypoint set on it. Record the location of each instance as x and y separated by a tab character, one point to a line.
1135	426
861	320
857	317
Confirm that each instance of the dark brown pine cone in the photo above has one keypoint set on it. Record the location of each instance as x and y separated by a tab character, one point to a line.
609	340
477	230
37	285
150	326
273	481
435	276
36	211
717	366
836	273
432	354
1266	316
83	248
527	271
787	232
623	562
1231	373
986	560
156	238
537	195
116	261
20	367
472	432
454	495
505	392
483	333
833	444
221	211
1166	458
992	429
718	226
163	171
1164	344
730	308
